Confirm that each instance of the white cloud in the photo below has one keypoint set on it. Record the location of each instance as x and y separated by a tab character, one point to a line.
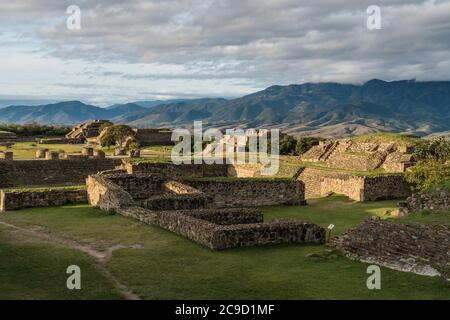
220	46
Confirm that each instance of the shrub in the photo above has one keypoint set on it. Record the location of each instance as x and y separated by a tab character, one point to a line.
116	135
433	165
304	144
287	145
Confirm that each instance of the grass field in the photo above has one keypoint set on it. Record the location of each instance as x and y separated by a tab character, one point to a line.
27	150
167	266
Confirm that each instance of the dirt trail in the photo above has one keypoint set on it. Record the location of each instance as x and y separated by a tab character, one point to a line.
101	257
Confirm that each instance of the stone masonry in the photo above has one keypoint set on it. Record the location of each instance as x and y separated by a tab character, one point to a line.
422	249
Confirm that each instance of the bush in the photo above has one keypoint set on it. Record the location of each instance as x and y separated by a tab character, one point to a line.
304	144
433	165
429	174
116	135
287	145
437	149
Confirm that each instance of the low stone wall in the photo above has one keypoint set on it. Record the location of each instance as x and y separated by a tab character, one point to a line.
359	188
151	137
366	162
385	187
139	186
244	170
253	192
351	186
107	195
413	248
438	200
225	236
177	202
176	172
51	172
19	199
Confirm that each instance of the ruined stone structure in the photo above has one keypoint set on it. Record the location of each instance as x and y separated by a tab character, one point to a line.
422	249
19	199
51	172
358	156
251	192
438	200
181	208
172	171
359	188
152	137
86	130
6	136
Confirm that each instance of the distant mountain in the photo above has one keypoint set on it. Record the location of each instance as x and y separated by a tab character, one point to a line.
327	109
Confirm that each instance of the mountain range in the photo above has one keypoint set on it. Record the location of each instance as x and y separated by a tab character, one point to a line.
325	109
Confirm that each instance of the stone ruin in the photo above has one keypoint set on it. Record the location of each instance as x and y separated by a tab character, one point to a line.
361	156
438	201
350	168
85	130
204	217
421	249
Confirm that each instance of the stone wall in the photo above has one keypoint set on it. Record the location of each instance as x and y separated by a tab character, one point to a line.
385	187
19	199
420	249
351	186
176	172
177	202
214	228
251	192
51	172
359	188
151	137
107	195
227	235
439	200
356	162
246	170
139	186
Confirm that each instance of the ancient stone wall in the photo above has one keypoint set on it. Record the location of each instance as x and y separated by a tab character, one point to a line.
151	137
420	249
438	200
359	188
385	187
177	202
176	172
246	170
19	199
355	162
251	192
107	195
351	186
139	186
226	235
51	172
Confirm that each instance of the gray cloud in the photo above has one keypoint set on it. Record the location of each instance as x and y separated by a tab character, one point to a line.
261	42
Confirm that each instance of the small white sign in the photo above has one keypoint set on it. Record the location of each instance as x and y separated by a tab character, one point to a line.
331	226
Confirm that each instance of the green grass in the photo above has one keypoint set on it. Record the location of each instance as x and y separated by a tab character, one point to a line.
31	269
427	217
172	267
44	188
27	150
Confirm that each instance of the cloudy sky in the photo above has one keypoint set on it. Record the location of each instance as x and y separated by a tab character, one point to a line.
142	49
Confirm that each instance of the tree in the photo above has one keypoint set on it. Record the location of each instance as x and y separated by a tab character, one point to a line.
287	145
304	144
433	165
116	135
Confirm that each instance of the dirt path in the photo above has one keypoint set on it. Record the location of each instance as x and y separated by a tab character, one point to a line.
101	257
